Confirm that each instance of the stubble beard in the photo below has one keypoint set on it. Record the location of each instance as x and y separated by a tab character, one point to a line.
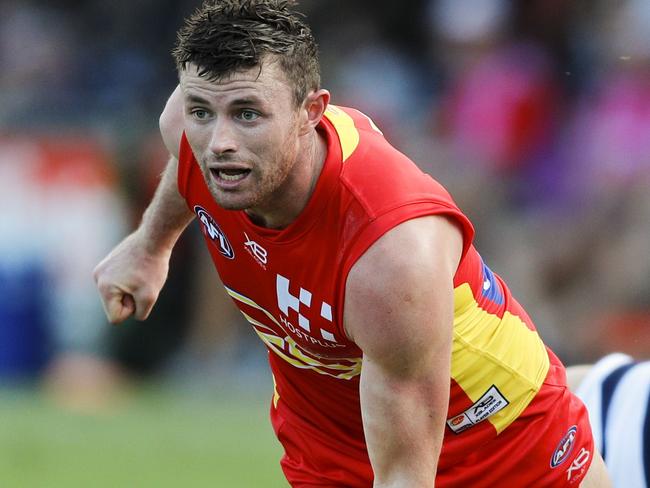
261	189
231	199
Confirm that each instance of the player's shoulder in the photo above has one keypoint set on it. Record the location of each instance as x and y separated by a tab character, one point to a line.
171	122
376	173
360	138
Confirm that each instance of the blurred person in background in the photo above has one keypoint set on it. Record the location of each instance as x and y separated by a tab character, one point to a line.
553	128
494	124
62	198
51	190
594	261
54	188
303	205
616	391
501	96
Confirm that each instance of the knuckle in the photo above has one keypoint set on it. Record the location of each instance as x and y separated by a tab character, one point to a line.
104	288
148	300
148	296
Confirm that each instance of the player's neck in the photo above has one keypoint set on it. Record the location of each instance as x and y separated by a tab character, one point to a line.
294	195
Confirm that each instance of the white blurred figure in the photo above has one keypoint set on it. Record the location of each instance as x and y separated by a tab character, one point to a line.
616	391
468	21
59	212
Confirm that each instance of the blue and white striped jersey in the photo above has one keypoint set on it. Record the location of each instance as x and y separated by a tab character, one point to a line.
616	391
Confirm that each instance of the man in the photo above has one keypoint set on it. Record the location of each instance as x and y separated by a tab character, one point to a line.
616	391
399	359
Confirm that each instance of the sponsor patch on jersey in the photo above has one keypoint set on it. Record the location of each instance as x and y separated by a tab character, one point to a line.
212	230
490	403
564	447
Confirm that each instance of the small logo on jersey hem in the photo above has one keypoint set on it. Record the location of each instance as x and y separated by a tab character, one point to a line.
578	465
564	447
490	403
212	230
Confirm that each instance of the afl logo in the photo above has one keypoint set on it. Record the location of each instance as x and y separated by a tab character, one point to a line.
214	232
564	448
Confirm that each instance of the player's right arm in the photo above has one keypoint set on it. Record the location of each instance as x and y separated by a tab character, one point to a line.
130	278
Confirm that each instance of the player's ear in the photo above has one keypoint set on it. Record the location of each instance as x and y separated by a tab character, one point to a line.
313	109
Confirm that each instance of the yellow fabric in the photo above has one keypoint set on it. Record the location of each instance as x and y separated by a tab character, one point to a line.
287	348
488	350
344	125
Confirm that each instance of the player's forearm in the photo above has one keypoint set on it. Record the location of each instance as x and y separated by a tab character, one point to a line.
403	424
167	215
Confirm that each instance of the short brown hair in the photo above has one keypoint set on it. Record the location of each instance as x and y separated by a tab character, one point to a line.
225	36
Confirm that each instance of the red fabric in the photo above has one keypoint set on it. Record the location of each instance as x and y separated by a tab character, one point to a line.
521	455
294	299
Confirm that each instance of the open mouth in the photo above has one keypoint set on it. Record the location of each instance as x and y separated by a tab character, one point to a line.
230	175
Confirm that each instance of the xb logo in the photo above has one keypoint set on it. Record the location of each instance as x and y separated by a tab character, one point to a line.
214	232
578	463
257	251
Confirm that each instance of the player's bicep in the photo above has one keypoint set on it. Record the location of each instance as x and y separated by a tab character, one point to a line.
399	310
399	295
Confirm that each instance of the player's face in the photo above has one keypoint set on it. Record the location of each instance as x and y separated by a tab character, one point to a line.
244	132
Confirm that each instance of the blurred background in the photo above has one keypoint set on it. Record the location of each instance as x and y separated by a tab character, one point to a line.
535	115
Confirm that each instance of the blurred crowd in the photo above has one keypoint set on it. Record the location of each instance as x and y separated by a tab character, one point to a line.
535	115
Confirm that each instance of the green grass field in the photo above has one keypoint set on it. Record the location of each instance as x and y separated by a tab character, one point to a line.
157	438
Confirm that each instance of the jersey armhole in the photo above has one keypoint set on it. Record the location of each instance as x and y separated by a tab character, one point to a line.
382	224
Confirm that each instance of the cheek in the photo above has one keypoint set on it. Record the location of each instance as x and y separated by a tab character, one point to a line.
288	140
276	147
271	146
194	140
197	135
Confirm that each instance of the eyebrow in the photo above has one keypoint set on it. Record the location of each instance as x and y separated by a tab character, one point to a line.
191	98
197	99
246	101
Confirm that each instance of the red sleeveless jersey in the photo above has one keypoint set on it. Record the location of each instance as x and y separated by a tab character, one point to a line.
290	284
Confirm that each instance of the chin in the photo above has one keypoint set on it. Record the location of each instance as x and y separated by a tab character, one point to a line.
227	202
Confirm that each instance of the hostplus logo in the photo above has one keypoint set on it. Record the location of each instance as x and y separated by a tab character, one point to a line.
302	306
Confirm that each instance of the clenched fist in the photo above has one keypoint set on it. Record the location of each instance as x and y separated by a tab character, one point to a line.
130	278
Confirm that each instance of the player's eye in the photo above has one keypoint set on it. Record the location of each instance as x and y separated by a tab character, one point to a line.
200	114
248	115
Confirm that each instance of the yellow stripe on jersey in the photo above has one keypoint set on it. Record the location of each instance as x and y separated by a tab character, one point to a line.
276	395
344	125
244	299
488	350
298	359
289	350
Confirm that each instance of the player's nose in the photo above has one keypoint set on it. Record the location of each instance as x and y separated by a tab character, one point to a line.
223	139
